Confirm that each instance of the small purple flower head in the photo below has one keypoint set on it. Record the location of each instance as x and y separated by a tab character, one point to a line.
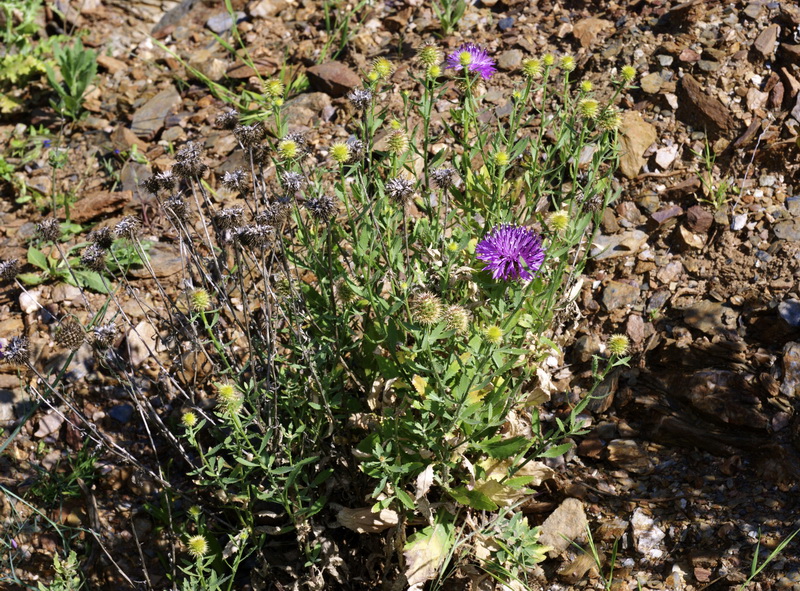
474	59
511	252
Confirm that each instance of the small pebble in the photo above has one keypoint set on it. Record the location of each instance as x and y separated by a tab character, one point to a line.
121	413
504	24
789	310
738	222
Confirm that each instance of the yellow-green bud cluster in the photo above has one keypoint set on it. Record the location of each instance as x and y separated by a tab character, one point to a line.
398	142
288	149
567	63
501	158
430	55
558	221
274	88
493	334
588	108
199	300
610	119
628	73
189	419
531	67
618	344
381	69
586	86
229	398
197	546
340	152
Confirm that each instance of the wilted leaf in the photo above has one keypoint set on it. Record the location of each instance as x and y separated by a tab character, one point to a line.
420	384
424	482
509	492
425	552
364	521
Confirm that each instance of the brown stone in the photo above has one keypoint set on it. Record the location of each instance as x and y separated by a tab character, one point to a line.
765	43
636	135
112	64
665	214
123	139
698	219
701	110
789	53
263	67
333	78
587	30
99	203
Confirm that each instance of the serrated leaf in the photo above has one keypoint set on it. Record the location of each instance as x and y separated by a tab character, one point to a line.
558	450
30	278
473	498
37	258
505	448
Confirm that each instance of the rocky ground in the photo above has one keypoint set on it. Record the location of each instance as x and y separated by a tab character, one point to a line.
694	452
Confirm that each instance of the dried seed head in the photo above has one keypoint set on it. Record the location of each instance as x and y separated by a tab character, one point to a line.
48	229
344	292
127	226
321	208
225	219
399	190
228	119
274	214
356	147
177	209
235	180
458	319
255	236
69	333
443	177
9	269
103	335
17	351
292	181
188	163
102	237
398	142
593	203
160	181
249	135
426	308
360	97
93	257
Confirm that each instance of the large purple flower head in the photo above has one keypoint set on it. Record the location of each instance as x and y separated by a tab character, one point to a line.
511	252
474	59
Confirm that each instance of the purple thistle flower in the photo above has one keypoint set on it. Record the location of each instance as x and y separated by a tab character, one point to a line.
511	252
474	58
